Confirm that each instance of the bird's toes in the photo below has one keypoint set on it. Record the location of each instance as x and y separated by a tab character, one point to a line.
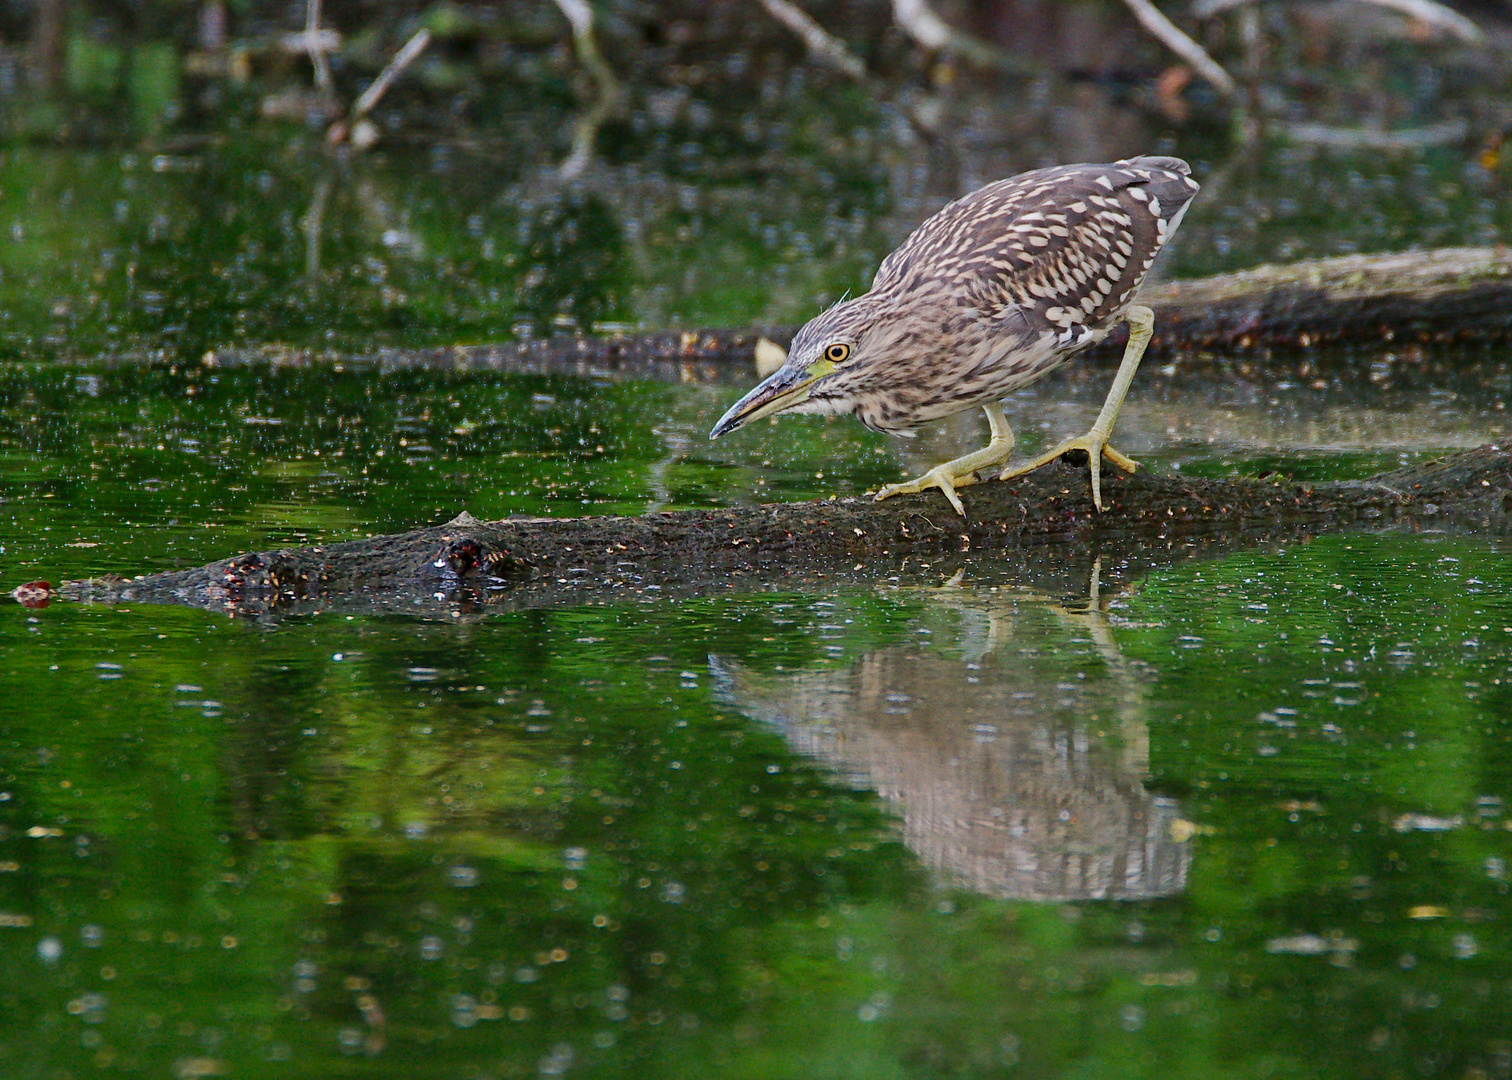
932	479
1122	460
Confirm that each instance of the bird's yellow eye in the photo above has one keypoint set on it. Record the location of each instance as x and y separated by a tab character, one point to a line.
837	353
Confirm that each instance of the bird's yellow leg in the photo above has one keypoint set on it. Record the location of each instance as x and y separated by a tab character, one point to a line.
1095	442
962	470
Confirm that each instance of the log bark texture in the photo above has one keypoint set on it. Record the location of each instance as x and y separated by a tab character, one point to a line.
1043	516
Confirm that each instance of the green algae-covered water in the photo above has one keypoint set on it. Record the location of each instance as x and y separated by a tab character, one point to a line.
1240	812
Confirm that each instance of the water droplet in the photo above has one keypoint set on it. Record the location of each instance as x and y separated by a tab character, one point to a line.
557	1062
464	1010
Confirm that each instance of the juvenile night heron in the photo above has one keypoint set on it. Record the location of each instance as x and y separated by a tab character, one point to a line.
988	295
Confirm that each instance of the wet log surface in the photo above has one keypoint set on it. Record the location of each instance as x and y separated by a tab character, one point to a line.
1045	521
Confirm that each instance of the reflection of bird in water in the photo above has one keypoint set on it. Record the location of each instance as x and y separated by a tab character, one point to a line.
995	290
992	759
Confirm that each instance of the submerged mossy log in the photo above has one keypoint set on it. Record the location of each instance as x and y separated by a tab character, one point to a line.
1448	296
538	561
1400	301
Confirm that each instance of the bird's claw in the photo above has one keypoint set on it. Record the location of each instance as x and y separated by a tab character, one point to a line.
947	480
1095	444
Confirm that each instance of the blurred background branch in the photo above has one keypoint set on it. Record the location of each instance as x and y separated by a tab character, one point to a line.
95	70
1427	12
821	44
609	94
318	45
1169	35
712	161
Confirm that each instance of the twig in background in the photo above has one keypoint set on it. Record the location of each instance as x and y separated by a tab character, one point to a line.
1171	36
1429	12
45	53
580	15
915	18
211	30
312	223
356	127
821	44
402	59
315	45
920	21
1441	134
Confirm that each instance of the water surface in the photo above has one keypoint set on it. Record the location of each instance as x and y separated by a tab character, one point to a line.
1249	806
1224	812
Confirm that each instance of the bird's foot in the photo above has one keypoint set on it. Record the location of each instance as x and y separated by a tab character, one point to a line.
961	471
946	477
1095	443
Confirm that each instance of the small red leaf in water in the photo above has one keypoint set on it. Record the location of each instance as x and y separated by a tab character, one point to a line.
34	594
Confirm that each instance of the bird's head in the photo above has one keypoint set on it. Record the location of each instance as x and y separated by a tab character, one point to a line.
823	362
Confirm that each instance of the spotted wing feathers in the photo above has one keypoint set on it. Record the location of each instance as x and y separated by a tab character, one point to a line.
1064	248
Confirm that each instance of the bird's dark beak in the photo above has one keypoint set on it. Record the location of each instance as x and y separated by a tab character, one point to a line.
782	389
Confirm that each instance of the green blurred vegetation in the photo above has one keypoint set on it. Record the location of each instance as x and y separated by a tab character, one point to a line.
260	246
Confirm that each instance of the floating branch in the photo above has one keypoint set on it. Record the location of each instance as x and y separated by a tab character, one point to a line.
568	560
1452	295
1345	138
